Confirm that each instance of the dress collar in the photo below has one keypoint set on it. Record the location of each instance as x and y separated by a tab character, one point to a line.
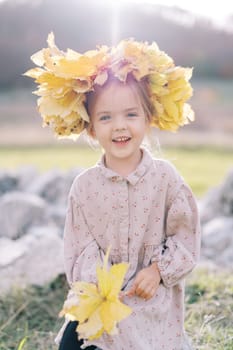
133	177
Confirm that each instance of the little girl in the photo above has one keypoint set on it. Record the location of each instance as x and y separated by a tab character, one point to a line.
138	205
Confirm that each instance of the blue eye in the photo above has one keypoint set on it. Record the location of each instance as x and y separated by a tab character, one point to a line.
105	117
132	115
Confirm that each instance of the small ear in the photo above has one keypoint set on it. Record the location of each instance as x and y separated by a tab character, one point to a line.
91	130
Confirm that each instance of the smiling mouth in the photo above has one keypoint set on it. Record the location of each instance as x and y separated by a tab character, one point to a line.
122	139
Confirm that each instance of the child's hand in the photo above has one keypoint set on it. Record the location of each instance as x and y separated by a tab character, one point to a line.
146	282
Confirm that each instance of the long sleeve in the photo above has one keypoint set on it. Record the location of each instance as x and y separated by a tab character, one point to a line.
179	252
81	251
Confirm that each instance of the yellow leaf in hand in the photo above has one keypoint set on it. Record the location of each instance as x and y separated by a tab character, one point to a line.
92	328
98	308
113	312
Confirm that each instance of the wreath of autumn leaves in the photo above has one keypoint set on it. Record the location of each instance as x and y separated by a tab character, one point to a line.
64	78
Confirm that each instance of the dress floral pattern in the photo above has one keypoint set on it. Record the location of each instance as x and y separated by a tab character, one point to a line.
150	215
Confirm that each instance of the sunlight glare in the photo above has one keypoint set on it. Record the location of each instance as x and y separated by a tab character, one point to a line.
115	7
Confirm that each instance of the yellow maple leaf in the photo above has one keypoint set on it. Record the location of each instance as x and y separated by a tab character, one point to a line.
97	308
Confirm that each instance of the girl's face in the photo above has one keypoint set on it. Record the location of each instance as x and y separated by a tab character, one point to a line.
118	121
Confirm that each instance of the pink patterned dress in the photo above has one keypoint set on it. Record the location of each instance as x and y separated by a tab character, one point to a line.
150	215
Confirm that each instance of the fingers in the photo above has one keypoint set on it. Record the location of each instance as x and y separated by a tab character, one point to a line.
149	293
145	291
121	296
131	291
142	290
145	284
133	288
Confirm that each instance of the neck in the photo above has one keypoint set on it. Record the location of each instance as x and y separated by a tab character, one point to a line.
123	167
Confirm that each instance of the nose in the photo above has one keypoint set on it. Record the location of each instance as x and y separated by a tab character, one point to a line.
119	123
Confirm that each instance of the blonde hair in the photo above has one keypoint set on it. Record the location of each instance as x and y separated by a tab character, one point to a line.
141	88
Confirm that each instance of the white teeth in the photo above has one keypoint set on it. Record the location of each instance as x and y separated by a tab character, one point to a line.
121	139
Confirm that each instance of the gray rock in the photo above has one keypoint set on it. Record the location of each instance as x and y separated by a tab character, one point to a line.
217	240
53	186
26	175
19	211
226	195
48	185
39	263
57	216
37	231
210	205
10	251
8	182
218	201
32	216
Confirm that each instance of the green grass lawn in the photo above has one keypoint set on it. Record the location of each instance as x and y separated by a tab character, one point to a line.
202	167
29	321
209	309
